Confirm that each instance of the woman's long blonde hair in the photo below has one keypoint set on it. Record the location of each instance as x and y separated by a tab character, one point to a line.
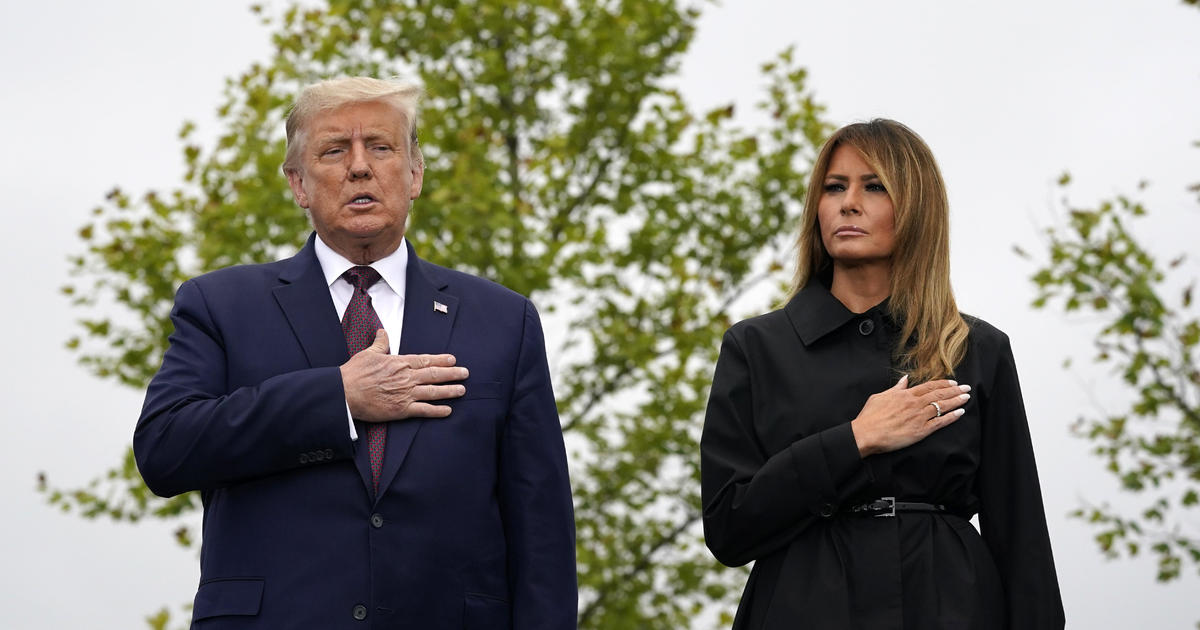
933	337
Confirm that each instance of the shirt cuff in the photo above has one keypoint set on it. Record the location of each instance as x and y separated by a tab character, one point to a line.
350	418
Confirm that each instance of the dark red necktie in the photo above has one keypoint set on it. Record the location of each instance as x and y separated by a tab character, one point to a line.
360	324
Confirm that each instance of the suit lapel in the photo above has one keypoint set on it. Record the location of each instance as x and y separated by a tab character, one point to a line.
429	315
304	297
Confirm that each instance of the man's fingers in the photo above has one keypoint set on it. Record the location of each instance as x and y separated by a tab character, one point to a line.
381	342
438	392
426	410
429	375
429	360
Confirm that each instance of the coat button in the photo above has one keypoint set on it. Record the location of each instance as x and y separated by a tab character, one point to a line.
303	458
827	510
865	327
360	612
328	453
376	521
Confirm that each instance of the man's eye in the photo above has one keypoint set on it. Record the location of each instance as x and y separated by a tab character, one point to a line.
382	148
331	152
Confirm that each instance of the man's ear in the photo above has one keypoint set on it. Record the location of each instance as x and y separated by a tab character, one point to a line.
418	178
296	182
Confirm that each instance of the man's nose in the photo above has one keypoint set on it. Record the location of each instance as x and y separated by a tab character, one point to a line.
359	168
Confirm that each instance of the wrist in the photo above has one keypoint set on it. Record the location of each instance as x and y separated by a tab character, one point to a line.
865	446
351	405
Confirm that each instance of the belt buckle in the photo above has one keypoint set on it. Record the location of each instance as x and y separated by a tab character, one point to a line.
889	506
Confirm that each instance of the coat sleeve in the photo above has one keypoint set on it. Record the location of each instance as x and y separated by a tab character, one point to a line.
756	502
195	434
1012	518
535	495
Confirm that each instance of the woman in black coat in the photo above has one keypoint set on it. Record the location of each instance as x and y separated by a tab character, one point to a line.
838	454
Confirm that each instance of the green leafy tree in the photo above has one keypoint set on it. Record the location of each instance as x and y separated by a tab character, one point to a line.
1098	266
562	164
1149	334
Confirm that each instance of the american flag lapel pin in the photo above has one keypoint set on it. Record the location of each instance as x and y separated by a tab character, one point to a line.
438	307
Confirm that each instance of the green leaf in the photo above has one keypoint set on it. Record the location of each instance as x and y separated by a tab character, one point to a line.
1094	265
559	164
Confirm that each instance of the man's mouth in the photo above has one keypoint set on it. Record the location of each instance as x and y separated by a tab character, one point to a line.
362	200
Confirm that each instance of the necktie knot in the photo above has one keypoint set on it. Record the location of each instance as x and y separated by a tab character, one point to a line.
361	276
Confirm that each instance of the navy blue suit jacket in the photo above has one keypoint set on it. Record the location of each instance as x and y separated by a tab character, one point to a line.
472	526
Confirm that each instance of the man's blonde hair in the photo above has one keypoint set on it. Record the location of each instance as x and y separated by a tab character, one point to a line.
334	93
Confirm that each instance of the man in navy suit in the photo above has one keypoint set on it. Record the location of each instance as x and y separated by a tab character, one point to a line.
418	483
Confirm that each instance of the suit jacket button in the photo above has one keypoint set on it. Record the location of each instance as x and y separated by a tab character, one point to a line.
827	510
376	521
360	612
328	453
303	458
318	456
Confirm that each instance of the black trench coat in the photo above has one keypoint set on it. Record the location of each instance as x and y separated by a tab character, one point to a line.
780	468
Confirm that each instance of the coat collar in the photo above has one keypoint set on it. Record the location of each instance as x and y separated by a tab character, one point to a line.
303	295
393	268
814	312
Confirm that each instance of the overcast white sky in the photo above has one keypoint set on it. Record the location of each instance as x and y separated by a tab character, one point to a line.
1008	95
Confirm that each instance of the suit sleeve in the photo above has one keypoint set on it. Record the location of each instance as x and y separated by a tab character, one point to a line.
1011	517
754	502
535	495
196	434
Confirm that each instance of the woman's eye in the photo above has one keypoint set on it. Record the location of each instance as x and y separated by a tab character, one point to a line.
835	187
876	187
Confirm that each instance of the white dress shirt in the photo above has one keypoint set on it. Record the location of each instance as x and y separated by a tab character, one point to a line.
387	295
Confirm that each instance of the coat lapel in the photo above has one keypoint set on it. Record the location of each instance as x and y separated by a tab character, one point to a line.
304	297
429	315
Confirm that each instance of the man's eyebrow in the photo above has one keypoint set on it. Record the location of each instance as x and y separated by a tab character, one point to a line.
377	135
336	137
331	138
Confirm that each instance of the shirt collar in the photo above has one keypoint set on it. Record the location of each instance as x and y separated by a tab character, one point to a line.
815	312
392	268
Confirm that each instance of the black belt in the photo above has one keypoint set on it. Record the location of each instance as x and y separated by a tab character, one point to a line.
889	506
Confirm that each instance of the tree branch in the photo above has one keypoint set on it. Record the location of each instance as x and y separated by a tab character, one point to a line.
637	567
560	219
618	381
